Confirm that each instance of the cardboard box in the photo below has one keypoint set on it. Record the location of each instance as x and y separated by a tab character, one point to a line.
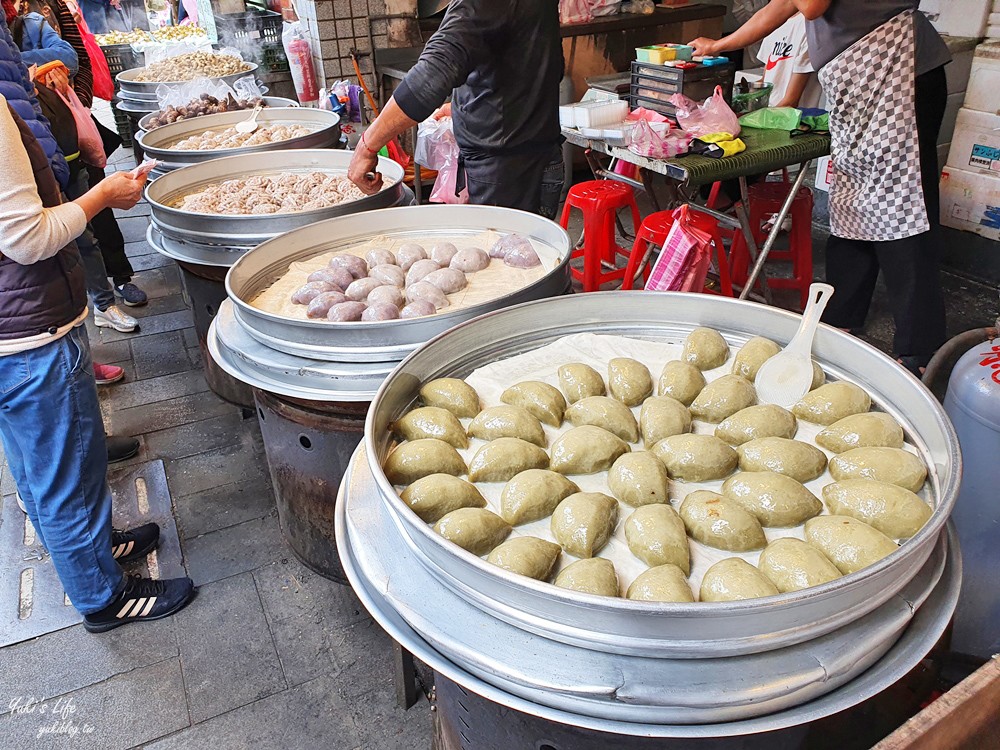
970	201
984	79
975	146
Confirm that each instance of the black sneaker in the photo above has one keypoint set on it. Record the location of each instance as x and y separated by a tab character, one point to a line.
131	295
134	544
121	448
142	599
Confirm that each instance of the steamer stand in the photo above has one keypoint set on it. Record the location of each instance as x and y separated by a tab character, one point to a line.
518	666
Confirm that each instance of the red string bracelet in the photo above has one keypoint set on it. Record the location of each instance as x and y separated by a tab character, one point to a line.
368	148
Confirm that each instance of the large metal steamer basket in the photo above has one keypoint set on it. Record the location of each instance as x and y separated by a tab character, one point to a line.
637	651
390	340
159	144
217	239
146	89
270	101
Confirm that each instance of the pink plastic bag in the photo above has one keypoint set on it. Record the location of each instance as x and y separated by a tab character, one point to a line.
712	116
88	137
575	11
683	264
645	140
447	177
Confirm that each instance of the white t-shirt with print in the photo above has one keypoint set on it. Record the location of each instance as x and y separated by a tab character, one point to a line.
785	52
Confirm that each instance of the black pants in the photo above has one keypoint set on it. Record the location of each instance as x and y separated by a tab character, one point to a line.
909	266
524	181
109	236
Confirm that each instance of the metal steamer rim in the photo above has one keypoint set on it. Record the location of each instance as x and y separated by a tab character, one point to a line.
917	639
531	325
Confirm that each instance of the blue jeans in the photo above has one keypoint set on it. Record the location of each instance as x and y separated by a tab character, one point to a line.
98	287
52	433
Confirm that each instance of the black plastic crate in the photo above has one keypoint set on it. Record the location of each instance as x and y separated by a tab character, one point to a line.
123	124
695	83
121	57
251	26
273	59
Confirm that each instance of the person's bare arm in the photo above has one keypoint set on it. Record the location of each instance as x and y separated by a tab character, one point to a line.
796	87
812	9
390	123
761	23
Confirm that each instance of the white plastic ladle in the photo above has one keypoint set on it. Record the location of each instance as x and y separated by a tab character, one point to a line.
785	378
249	125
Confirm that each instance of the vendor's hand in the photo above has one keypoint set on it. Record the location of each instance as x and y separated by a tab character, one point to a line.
121	190
705	47
361	169
117	4
443	111
58	79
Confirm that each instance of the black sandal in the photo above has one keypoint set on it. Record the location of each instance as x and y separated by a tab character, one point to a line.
916	364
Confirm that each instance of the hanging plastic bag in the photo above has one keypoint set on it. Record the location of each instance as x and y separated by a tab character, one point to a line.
445	155
104	86
89	138
657	141
683	263
575	11
605	7
436	143
300	62
711	116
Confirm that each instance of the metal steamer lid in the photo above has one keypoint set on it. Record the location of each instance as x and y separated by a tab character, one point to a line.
259	366
566	683
388	340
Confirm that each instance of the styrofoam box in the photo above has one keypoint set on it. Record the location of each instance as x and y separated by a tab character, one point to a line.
970	201
958	17
984	79
975	146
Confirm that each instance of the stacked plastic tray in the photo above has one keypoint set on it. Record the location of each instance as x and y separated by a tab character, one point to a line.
653	85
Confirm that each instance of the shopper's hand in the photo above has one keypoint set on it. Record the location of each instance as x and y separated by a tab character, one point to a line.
121	190
705	47
362	171
443	111
58	79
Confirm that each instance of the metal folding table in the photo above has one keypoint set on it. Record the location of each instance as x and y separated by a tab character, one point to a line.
767	151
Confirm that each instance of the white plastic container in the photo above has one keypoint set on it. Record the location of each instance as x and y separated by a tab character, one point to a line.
984	79
600	114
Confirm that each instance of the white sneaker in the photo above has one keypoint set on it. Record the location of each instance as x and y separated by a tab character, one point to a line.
113	317
20	503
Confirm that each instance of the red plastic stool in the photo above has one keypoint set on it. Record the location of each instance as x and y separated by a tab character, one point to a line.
654	231
766	200
600	201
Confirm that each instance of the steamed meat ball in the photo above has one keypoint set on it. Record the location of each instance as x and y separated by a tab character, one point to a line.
380	311
309	291
380	257
388	274
522	256
356	266
346	312
418	309
339	277
470	260
420	269
321	304
409	254
448	280
387	295
360	289
508	244
427	292
443	252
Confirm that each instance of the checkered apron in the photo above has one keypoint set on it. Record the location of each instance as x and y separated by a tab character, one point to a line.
877	193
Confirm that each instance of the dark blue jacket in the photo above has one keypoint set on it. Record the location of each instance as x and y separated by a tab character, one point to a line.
20	95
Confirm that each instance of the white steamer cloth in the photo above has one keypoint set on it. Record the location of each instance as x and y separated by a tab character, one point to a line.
877	193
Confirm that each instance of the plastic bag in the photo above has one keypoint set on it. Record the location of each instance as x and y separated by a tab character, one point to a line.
156	51
435	143
181	94
657	142
639	7
300	62
773	118
605	7
88	137
575	11
683	263
104	86
711	116
443	152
